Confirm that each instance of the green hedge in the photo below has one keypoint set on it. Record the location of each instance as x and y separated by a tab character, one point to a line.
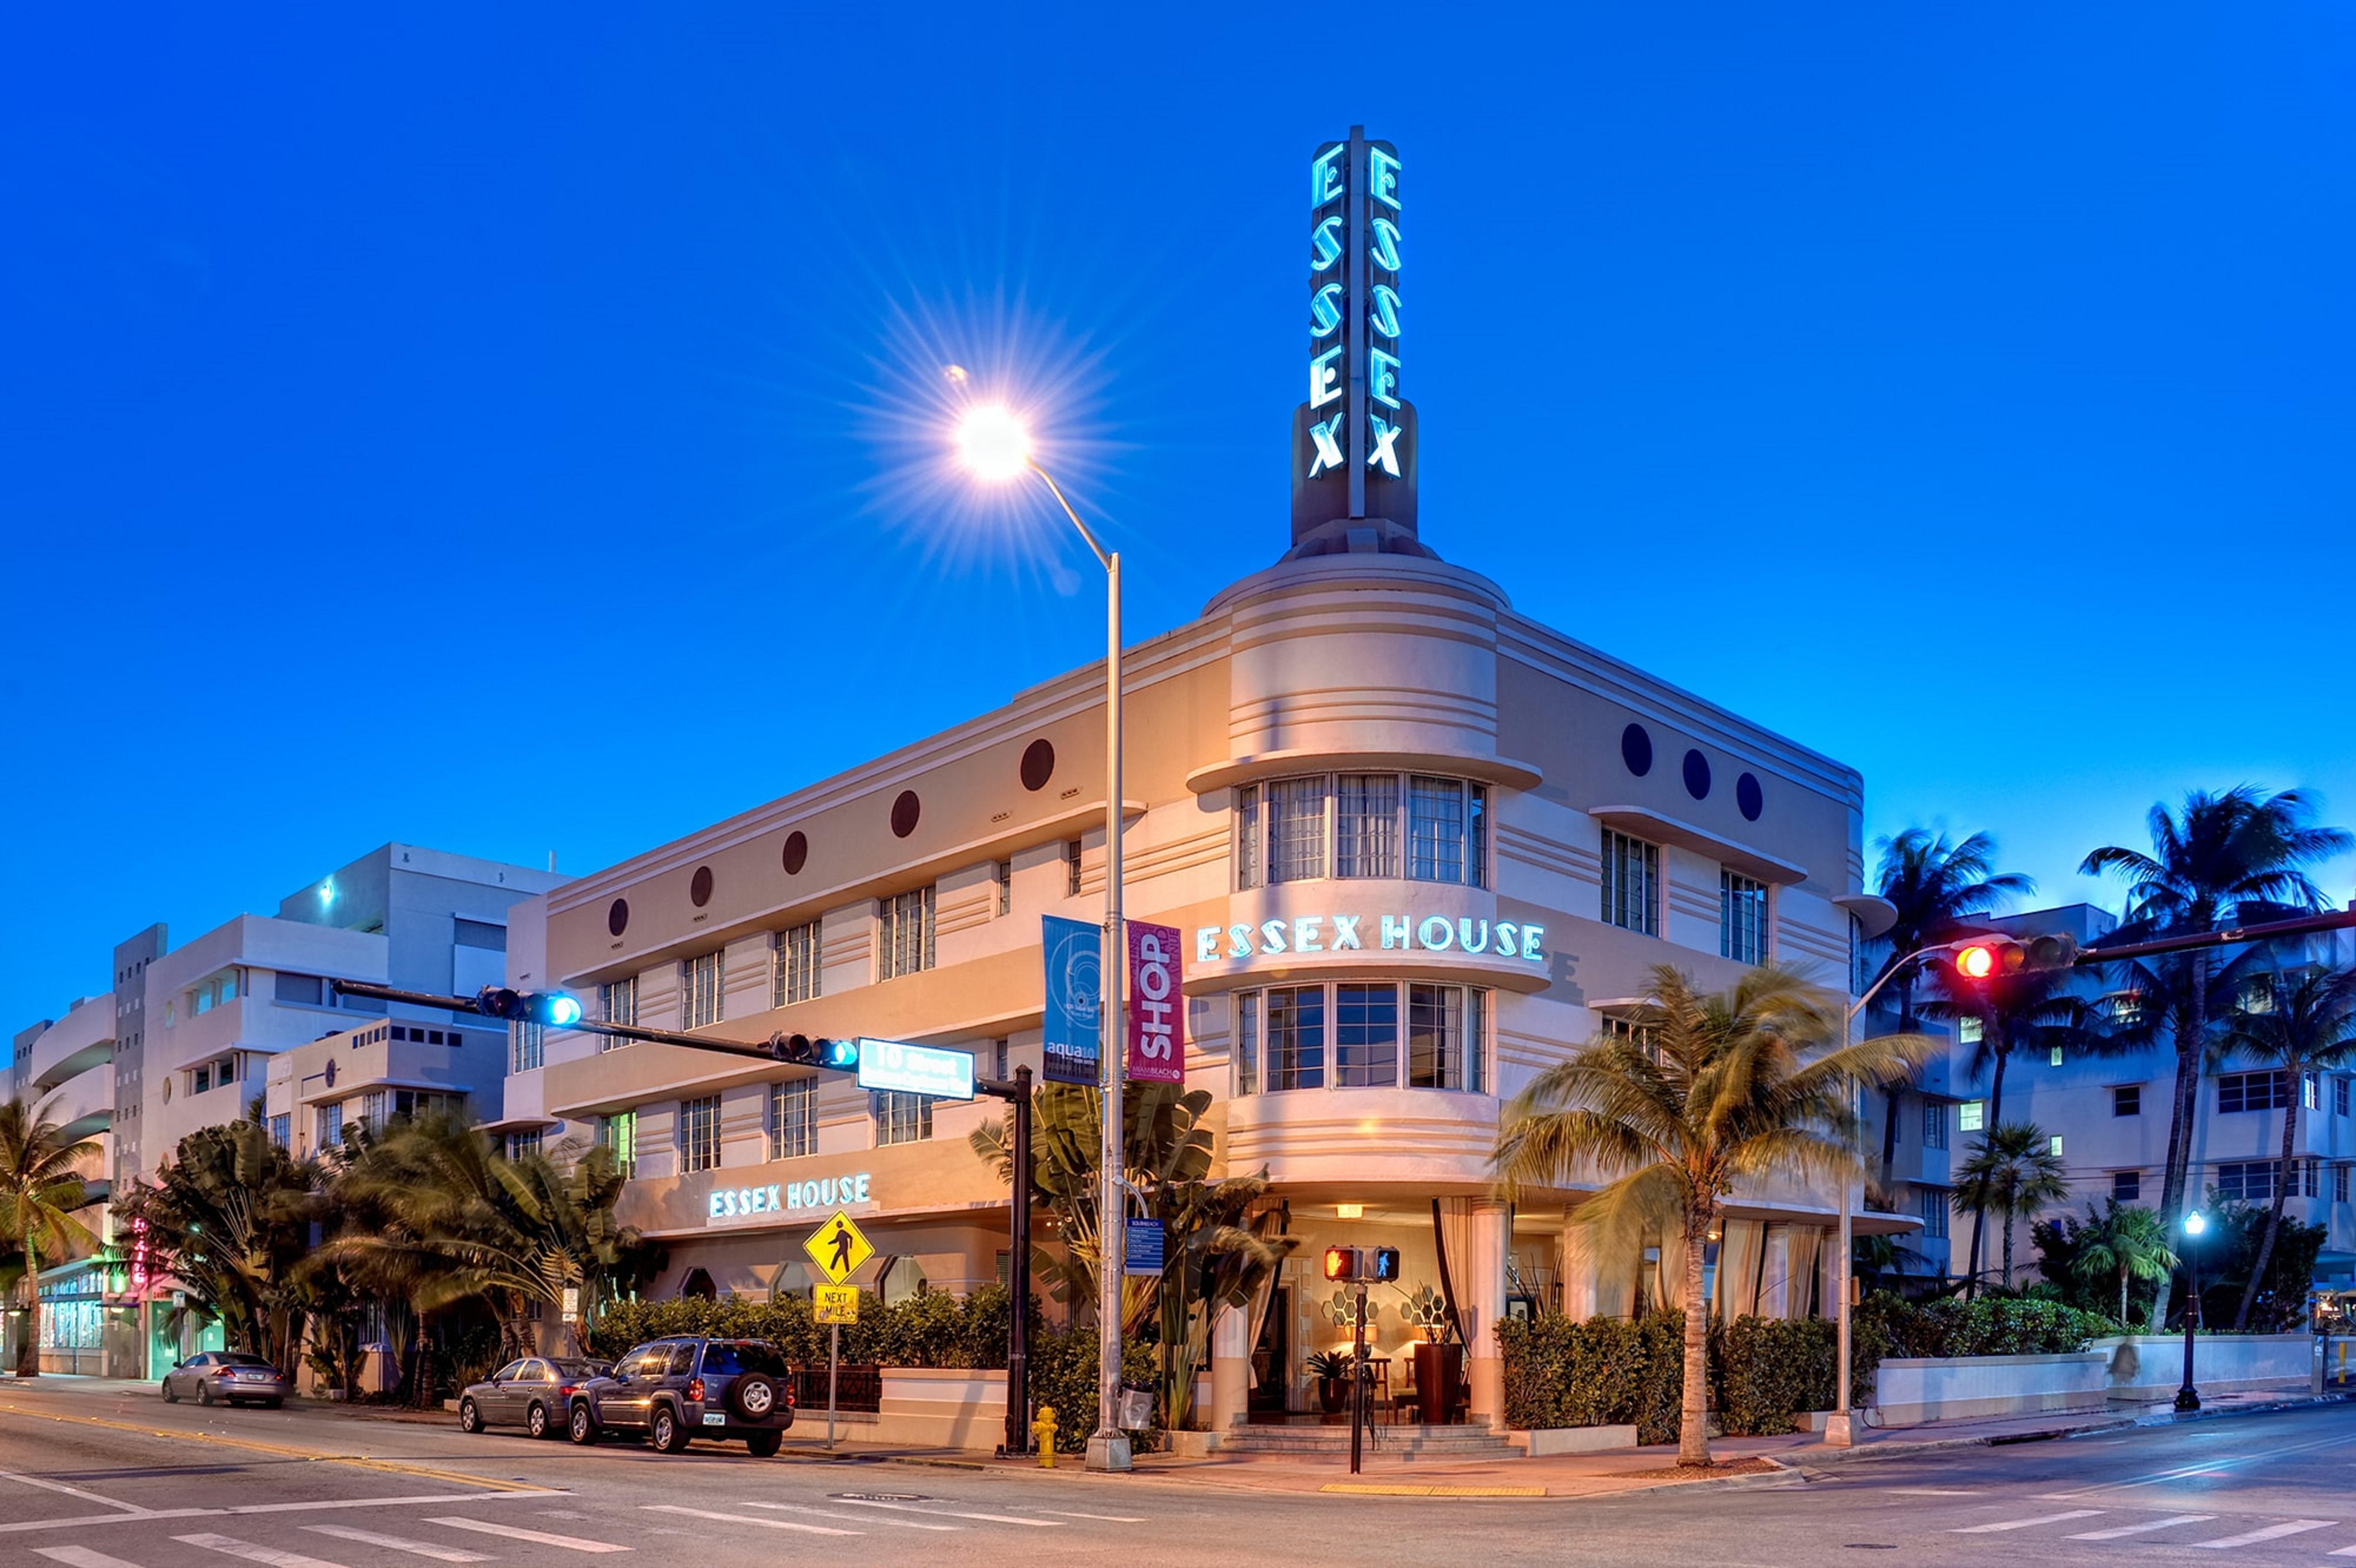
1605	1372
929	1330
1992	1325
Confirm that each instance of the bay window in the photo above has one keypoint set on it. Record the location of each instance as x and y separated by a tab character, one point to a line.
1385	1034
1423	827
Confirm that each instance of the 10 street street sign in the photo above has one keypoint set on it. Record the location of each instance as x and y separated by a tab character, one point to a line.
915	1069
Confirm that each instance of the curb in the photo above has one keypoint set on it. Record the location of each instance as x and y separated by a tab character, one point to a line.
1902	1449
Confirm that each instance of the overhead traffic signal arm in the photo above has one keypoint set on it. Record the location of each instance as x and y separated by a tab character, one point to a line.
552	1009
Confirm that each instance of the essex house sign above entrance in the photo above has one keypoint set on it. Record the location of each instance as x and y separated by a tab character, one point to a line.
1391	933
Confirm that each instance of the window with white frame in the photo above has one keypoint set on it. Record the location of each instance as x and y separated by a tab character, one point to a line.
617	1002
1857	948
2126	1099
1071	868
1970	1115
793	1118
525	1047
2339	1095
1934	1123
1934	1204
1969	1029
1419	826
522	1144
328	1125
900	1117
617	1134
1382	1034
2250	1181
2339	1183
699	991
795	965
904	940
2310	1091
2126	1187
1742	917
281	1131
1002	876
1632	884
699	1134
2253	1091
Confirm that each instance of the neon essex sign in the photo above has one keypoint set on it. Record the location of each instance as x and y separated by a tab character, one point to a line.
731	1203
1350	933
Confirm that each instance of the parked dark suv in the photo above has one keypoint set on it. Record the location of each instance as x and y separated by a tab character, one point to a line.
675	1390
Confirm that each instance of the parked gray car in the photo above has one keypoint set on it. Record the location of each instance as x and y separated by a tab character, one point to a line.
211	1376
675	1390
531	1392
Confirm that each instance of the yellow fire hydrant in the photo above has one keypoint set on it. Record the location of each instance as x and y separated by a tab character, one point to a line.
1043	1432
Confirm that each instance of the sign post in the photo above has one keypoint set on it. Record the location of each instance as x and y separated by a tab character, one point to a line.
838	1248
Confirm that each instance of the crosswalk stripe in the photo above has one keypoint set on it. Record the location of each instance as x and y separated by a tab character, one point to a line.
2272	1533
229	1546
398	1543
950	1513
1107	1518
2126	1529
537	1537
797	1508
749	1519
80	1557
2025	1523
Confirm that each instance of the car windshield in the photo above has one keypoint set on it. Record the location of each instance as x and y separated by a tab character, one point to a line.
581	1369
724	1357
234	1359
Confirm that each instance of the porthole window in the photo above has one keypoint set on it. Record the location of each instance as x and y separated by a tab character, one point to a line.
1636	749
699	886
1038	764
1749	797
905	812
617	916
796	852
1696	775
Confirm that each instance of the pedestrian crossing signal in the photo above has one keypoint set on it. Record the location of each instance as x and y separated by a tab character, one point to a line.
1342	1263
1386	1264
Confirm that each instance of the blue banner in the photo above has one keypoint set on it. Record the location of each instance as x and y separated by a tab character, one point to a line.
1074	1030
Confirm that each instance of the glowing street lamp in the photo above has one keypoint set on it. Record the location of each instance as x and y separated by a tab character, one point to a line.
2188	1398
996	447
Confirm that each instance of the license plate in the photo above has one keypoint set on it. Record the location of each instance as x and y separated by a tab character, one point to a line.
713	1418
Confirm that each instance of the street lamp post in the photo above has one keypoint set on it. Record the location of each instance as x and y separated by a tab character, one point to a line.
2188	1398
996	447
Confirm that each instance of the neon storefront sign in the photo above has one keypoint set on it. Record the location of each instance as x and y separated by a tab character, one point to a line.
1380	933
763	1199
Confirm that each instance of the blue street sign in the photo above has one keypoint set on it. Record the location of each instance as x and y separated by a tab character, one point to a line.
1146	1248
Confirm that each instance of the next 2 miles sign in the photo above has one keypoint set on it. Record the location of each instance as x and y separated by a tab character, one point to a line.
928	1070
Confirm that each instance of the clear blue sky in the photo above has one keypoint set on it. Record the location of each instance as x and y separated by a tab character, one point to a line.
490	427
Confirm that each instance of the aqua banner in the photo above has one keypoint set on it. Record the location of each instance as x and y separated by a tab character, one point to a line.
1074	1028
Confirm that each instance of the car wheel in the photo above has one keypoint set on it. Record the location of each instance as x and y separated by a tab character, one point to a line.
581	1425
765	1444
535	1420
204	1393
670	1436
470	1419
169	1397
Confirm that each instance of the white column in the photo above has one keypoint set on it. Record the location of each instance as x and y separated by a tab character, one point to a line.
1230	1369
1482	1298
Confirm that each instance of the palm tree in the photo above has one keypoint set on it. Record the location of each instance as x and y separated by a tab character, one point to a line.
2013	1171
1739	1087
2297	1026
2021	1013
2128	1241
2228	856
40	1190
1938	888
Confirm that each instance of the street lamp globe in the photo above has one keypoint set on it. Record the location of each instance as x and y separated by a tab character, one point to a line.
994	442
2195	1223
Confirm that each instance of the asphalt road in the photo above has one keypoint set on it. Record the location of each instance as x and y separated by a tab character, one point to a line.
101	1480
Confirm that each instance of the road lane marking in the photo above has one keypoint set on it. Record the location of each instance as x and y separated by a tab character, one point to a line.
229	1546
537	1537
799	1508
80	1557
2202	1468
1935	1491
2025	1523
398	1543
949	1513
360	1461
2118	1531
749	1519
154	1516
2272	1533
69	1491
1107	1518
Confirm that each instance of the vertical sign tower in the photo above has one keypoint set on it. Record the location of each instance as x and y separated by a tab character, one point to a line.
1354	441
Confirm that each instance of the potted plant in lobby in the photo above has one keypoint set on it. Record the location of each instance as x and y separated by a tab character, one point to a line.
1332	1371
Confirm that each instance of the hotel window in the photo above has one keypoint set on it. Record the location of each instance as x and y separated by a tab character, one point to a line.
2339	1183
1071	868
2310	1091
2057	1145
618	1001
1003	874
1443	1037
2054	1056
1447	831
1857	978
1742	917
699	991
2339	1097
1247	844
328	1125
1632	883
903	943
1365	825
2126	1187
522	1144
1935	1124
525	1044
900	1117
1933	1205
1296	830
1968	1030
1970	1115
1247	1006
793	1118
699	1134
1366	1036
2250	1181
618	1135
2126	1099
2253	1091
1296	1038
795	976
281	1131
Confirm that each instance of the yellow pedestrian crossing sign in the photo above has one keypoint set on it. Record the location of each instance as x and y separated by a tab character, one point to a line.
837	1304
838	1248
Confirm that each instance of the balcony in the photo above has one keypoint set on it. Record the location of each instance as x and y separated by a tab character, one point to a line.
80	1040
1438	1140
84	1106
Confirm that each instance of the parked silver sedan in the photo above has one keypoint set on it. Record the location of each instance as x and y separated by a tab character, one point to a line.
533	1393
212	1377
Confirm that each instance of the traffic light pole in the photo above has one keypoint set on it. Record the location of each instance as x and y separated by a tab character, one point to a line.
1358	1380
1017	1093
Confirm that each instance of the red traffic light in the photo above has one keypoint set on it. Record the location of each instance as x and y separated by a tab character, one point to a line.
1984	957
